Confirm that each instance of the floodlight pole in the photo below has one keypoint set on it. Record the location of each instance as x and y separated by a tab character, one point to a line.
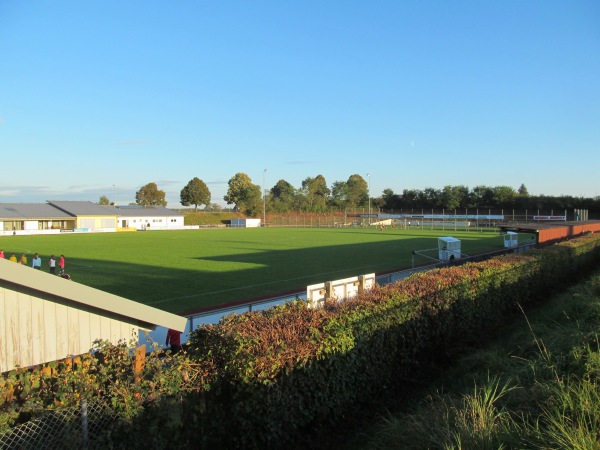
264	200
369	194
114	195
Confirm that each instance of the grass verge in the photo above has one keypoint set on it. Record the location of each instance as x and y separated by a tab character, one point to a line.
538	386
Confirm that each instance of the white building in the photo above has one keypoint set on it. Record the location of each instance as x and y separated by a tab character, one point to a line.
84	216
148	217
245	223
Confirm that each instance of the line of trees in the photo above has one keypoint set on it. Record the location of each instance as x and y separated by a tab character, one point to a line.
314	195
482	197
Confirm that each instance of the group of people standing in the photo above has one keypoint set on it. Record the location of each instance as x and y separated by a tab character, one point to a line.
36	262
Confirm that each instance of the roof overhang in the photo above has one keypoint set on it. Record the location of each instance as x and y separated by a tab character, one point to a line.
18	276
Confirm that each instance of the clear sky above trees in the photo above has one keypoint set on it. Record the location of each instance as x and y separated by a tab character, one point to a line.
416	94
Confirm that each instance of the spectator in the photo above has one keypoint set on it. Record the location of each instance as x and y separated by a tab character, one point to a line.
52	263
36	262
13	258
23	259
174	339
61	265
1	254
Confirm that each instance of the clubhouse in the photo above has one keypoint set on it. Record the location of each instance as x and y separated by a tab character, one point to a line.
84	216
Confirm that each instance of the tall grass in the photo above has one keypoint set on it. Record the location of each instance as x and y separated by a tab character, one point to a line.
478	419
571	419
542	389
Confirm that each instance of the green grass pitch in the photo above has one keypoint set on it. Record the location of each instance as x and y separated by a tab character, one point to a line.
179	271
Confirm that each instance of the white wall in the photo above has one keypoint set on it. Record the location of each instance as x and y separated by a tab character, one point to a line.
34	330
141	223
245	223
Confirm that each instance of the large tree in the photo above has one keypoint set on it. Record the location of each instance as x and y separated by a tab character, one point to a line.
522	191
429	198
150	195
358	191
339	195
389	200
504	196
482	197
195	193
283	197
454	197
104	200
409	199
315	194
244	194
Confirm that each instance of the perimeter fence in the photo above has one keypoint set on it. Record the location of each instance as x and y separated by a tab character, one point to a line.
465	219
87	426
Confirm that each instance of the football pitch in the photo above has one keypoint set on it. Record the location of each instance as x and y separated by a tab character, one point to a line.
180	271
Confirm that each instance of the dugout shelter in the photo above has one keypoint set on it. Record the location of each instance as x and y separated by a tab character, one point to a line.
449	248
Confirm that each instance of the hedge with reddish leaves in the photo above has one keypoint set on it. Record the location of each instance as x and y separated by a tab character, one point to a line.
287	371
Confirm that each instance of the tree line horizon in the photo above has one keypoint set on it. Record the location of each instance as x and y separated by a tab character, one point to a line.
315	196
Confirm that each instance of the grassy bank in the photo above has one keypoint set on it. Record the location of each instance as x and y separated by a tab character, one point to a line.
538	386
210	218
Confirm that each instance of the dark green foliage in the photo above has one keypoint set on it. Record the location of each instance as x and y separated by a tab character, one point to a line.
195	193
267	379
150	195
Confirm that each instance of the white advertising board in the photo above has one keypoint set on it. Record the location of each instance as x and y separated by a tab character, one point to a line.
338	290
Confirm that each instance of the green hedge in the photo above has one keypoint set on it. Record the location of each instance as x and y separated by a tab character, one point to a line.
290	370
272	378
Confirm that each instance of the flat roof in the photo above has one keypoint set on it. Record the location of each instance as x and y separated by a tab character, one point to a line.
81	208
24	211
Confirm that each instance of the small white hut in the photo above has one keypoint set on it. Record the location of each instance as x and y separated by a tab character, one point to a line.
511	239
245	223
449	248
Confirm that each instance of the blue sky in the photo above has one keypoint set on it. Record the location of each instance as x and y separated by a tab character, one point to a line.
101	98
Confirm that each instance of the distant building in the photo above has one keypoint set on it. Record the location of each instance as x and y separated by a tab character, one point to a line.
26	217
83	216
88	215
245	223
148	217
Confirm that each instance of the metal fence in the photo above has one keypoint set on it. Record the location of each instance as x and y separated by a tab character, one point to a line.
85	427
469	219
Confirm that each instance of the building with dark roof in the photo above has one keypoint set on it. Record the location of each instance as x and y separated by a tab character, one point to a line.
56	216
148	217
33	217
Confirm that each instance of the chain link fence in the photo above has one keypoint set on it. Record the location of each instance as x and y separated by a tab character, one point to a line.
85	427
457	219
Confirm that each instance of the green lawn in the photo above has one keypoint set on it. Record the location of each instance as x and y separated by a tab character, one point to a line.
183	270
